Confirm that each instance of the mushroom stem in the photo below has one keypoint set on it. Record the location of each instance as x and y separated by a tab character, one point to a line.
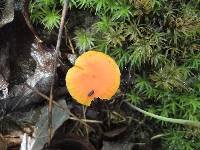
84	116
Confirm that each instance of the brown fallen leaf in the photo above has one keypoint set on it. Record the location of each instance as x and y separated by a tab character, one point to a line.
3	144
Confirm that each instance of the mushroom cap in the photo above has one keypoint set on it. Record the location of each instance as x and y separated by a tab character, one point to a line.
94	75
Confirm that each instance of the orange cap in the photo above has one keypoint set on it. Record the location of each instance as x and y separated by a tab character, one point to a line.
94	75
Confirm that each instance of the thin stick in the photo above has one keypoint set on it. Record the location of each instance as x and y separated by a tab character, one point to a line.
67	39
57	52
87	120
59	106
27	19
172	120
71	45
50	114
159	136
61	27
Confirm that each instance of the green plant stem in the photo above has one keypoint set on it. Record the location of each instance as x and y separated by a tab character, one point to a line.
172	120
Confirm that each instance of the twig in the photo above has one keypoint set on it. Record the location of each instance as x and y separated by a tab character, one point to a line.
172	120
47	98
27	19
159	136
87	120
63	67
74	117
57	53
50	114
71	45
67	39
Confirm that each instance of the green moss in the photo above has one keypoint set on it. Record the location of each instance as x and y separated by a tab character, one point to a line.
181	140
156	39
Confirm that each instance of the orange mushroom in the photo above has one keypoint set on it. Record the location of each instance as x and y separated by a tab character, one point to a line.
94	75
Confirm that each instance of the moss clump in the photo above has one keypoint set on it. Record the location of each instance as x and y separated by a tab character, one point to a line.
157	41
